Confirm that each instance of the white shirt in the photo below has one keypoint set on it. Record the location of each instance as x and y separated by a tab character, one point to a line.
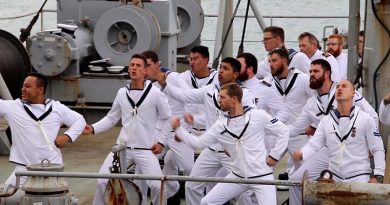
33	141
384	113
138	124
342	59
198	110
349	157
264	96
336	76
245	145
293	94
319	106
299	61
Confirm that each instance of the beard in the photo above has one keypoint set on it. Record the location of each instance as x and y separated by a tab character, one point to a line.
334	53
317	83
243	76
277	71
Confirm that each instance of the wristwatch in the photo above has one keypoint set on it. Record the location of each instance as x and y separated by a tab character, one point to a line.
379	178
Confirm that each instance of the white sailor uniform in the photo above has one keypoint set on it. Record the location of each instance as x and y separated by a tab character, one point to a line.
243	137
213	157
139	111
349	140
315	109
336	75
34	129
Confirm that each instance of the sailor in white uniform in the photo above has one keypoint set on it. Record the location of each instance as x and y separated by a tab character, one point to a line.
179	156
344	131
309	45
198	76
274	38
35	122
315	109
384	110
242	133
213	157
139	105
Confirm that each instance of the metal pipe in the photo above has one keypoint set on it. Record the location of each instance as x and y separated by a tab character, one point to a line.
155	177
4	92
258	15
353	37
15	189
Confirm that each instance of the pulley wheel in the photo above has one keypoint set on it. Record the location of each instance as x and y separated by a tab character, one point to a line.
123	31
191	19
14	62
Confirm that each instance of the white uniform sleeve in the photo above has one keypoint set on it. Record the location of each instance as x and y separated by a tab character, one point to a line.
4	107
164	113
73	120
301	62
335	76
362	103
269	101
384	113
186	95
316	142
112	117
280	131
248	99
302	122
199	142
375	144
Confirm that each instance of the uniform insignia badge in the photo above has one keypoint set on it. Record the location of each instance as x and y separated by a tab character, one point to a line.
353	132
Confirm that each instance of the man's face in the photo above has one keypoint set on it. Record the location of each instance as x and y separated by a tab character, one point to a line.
137	69
225	101
306	47
151	68
270	42
243	72
317	76
197	62
344	91
30	90
276	64
360	46
226	74
334	47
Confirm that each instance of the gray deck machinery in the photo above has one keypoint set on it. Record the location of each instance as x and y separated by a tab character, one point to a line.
85	56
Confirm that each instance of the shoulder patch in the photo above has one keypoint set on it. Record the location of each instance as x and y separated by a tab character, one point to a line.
326	54
273	120
268	84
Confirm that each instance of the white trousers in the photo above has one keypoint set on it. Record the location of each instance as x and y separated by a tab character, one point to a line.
223	192
295	143
314	165
207	165
179	156
147	163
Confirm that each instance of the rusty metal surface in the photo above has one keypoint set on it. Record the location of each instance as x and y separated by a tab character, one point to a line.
122	192
328	192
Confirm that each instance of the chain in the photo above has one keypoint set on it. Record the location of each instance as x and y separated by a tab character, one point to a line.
16	17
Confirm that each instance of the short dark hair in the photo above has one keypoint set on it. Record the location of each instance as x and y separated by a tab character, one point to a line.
282	52
151	55
140	56
250	60
361	33
233	89
275	31
41	80
325	65
202	50
312	38
236	65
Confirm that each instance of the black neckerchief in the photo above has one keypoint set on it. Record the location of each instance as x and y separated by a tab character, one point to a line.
290	84
329	107
31	114
246	110
352	116
195	83
144	94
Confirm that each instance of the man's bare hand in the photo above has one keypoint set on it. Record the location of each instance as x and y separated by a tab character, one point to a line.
310	131
61	141
175	122
189	118
297	155
270	162
157	148
88	129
